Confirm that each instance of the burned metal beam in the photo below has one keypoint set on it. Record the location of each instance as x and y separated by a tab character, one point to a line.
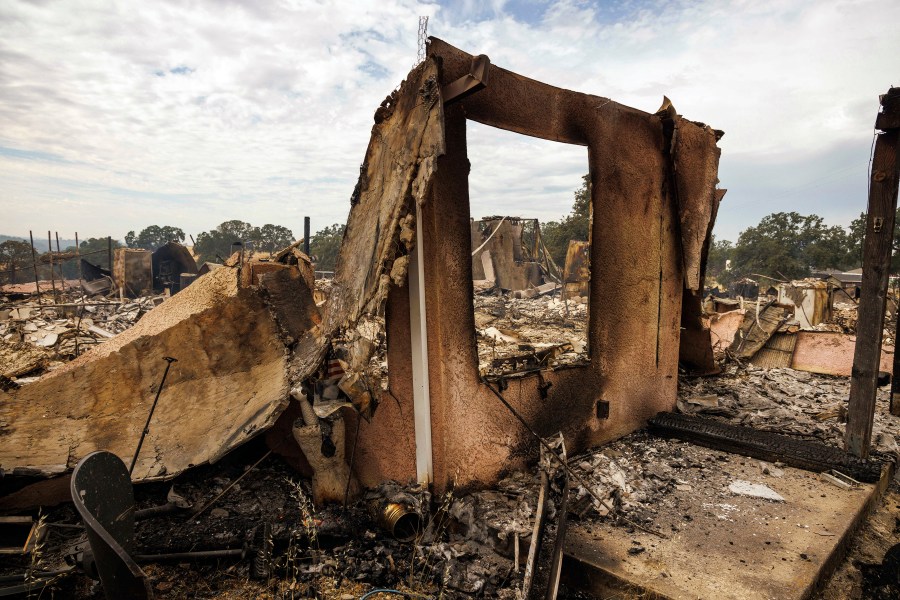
765	445
465	86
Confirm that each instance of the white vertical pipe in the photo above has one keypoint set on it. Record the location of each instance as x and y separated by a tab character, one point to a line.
419	338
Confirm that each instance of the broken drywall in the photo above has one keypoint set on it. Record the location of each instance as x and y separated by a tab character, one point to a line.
230	383
400	161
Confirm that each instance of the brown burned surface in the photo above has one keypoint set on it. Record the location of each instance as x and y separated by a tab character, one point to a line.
397	171
231	362
864	574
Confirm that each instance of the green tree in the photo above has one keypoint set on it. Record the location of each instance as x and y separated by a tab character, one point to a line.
151	238
96	251
789	245
556	234
325	245
211	245
271	237
15	261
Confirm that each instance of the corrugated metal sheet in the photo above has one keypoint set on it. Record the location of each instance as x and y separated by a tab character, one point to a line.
777	353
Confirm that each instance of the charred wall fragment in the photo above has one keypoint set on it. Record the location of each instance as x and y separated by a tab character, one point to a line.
638	244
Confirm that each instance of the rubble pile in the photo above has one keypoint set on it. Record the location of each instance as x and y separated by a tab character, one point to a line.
466	549
786	401
36	336
516	334
843	315
634	476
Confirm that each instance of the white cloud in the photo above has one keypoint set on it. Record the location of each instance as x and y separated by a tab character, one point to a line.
268	111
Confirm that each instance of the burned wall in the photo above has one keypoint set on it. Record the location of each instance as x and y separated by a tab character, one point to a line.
638	275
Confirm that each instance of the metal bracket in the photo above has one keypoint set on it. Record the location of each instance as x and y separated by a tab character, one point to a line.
476	80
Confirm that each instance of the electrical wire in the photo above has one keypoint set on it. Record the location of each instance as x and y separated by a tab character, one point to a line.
395	592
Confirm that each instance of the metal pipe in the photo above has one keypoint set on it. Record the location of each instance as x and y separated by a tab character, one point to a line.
201	555
62	276
52	275
169	360
399	520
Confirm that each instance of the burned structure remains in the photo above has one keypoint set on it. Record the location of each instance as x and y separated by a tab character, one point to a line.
404	279
403	379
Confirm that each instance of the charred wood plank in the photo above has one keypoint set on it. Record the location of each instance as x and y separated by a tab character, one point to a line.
877	251
802	454
543	570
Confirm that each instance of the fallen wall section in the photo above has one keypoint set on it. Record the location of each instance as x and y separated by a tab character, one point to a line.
230	382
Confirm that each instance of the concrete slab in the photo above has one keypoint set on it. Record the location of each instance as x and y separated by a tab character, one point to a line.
720	545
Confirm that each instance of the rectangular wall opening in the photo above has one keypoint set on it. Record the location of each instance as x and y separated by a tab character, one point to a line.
530	250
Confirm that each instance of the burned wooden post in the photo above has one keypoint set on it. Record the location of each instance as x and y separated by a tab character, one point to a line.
52	275
306	236
78	259
895	384
37	286
876	269
62	274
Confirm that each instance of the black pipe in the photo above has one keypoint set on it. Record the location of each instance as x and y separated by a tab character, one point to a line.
169	360
306	236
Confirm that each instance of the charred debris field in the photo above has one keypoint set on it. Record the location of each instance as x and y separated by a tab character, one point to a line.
590	422
647	489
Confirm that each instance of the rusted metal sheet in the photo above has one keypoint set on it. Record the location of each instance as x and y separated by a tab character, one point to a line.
169	262
757	328
778	351
831	353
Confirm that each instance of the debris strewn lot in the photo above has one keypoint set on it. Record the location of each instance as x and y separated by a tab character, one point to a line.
37	335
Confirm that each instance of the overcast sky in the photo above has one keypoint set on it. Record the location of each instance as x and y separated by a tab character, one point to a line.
116	116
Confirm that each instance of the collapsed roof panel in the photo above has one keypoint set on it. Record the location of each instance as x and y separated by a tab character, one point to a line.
230	383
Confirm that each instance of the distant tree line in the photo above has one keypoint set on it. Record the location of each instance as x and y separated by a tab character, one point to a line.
16	263
783	245
788	245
